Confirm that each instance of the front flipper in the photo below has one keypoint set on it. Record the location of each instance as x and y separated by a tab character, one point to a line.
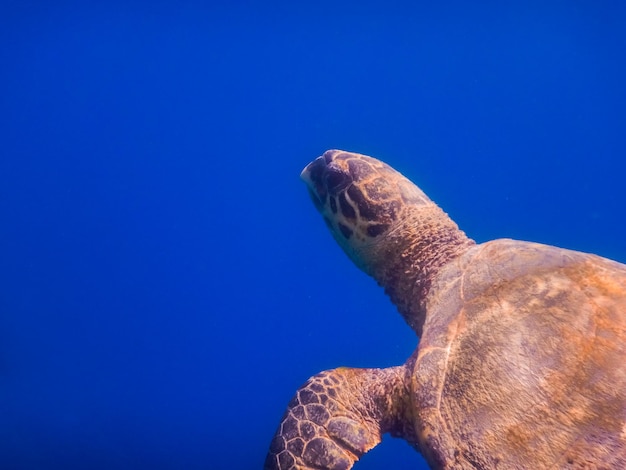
338	415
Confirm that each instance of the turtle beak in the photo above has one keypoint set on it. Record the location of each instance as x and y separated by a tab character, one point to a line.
313	176
316	167
325	176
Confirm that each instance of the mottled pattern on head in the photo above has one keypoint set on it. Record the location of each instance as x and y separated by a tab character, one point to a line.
361	198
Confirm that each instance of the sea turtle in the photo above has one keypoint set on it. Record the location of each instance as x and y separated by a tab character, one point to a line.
521	362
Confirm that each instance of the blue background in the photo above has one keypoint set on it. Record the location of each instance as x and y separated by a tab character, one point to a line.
166	284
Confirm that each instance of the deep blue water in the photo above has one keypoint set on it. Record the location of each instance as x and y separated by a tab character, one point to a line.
166	284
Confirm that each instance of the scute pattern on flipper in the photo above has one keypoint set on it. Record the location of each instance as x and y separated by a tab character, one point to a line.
338	415
310	437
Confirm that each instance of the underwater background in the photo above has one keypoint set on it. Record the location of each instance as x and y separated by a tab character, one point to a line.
166	284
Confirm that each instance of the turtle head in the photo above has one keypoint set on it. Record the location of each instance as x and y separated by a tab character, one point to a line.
361	199
386	225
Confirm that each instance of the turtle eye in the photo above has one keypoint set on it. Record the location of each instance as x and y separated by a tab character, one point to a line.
336	180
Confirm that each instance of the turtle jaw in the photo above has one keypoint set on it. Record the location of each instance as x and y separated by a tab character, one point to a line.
327	180
312	175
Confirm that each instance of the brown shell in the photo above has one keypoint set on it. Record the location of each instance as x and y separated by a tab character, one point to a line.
522	363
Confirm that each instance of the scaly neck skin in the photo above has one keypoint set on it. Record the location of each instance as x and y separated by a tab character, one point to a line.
410	256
